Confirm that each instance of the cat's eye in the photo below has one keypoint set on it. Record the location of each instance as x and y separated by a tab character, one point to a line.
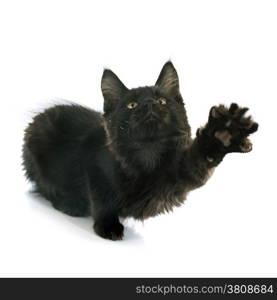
132	105
161	101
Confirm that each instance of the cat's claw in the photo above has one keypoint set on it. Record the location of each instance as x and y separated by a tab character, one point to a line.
246	146
231	127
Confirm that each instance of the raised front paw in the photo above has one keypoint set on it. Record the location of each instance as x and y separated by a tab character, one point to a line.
231	128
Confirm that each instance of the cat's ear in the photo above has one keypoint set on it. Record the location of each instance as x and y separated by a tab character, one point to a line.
168	80
112	89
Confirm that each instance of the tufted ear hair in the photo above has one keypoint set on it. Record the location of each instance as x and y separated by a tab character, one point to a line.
168	80
112	89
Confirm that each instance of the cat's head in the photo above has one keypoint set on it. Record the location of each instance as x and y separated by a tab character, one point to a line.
152	114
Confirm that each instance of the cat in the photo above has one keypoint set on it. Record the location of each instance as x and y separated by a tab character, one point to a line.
137	159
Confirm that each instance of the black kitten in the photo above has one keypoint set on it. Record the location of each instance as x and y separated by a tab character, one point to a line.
137	160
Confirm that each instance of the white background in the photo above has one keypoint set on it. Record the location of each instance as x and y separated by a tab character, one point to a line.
224	51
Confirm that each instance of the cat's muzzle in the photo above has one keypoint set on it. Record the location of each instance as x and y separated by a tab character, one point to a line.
151	117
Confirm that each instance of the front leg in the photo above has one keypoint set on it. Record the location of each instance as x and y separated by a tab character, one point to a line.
104	209
227	131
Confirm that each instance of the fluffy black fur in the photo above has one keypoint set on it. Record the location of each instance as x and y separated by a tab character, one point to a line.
136	160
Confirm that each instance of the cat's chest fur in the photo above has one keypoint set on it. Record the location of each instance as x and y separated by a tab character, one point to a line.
152	195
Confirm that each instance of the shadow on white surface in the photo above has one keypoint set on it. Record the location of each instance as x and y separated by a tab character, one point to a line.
83	223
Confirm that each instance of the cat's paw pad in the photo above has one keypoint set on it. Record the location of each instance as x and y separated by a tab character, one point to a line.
224	136
112	231
231	127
